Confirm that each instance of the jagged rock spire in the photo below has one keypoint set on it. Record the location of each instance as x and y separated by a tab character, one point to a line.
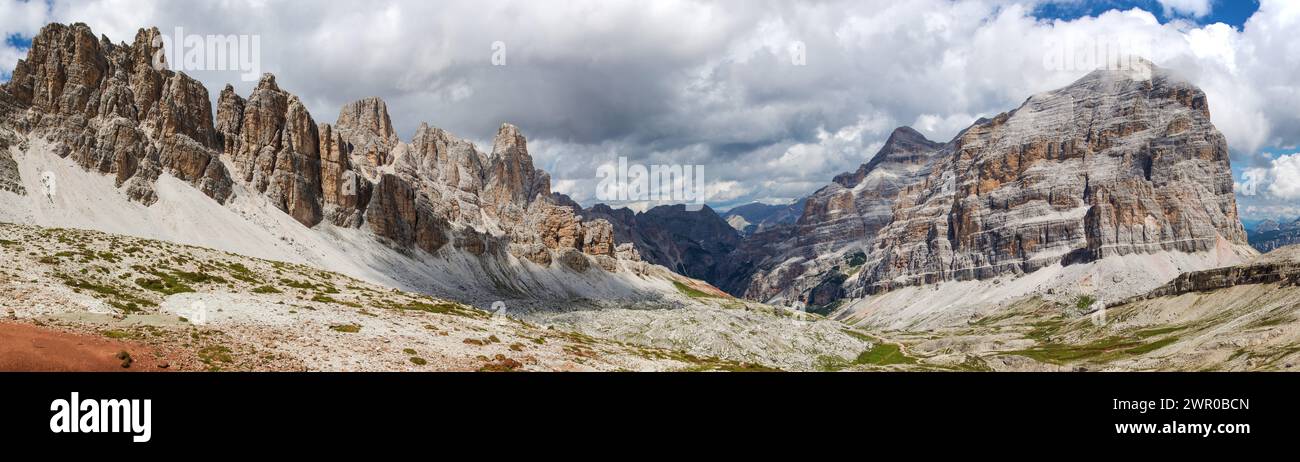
110	109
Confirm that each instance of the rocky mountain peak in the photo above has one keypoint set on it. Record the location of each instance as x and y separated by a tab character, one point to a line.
509	141
112	110
512	177
1267	225
1111	165
905	145
1119	163
368	115
906	135
109	109
275	146
267	83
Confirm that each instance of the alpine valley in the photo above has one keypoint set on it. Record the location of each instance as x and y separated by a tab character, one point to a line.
1095	227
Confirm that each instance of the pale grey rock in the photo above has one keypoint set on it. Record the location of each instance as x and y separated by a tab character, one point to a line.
1115	164
840	217
1111	165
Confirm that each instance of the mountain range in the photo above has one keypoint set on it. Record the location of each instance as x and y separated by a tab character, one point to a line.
1102	193
434	214
757	216
1116	173
1269	235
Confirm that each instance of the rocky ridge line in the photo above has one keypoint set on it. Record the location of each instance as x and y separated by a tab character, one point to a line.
109	109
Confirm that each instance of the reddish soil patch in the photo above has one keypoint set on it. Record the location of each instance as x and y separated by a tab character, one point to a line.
24	347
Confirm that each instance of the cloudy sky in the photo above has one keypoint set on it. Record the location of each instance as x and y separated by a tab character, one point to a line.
773	98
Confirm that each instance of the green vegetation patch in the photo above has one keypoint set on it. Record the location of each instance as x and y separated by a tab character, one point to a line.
880	354
1056	353
436	307
1148	333
1144	349
198	278
113	295
215	354
1083	302
165	286
242	273
884	354
691	291
119	334
171	282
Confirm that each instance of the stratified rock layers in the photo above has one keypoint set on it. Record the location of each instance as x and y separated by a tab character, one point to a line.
1118	163
1111	165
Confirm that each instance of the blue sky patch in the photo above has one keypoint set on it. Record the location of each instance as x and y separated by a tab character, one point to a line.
14	41
18	41
1230	12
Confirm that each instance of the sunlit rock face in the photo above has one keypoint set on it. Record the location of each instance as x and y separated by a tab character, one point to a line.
114	108
1118	163
111	108
1114	164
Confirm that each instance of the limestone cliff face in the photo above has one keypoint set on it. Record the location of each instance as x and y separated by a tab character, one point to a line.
275	148
1112	165
841	217
111	108
345	191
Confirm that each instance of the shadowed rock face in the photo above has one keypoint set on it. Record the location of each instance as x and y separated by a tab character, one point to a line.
693	243
108	108
10	179
758	217
1270	235
400	214
345	191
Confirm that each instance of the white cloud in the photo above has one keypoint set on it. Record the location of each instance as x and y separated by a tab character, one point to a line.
1282	213
1271	191
21	18
713	83
1284	177
943	127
